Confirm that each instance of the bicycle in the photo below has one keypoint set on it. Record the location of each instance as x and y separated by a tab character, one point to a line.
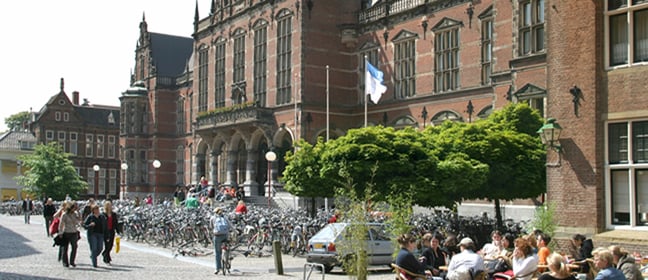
226	257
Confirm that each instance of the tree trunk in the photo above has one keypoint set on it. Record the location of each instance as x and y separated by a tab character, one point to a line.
498	214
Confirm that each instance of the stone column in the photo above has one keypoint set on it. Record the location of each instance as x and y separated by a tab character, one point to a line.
194	167
213	165
231	169
250	185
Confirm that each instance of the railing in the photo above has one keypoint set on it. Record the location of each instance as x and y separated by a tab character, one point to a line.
388	8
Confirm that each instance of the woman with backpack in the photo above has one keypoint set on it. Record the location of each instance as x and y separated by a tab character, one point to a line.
221	226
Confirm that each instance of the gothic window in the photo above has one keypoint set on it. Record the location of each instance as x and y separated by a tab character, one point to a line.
203	62
219	78
284	61
260	62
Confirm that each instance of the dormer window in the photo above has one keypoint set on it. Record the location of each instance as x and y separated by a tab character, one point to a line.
111	118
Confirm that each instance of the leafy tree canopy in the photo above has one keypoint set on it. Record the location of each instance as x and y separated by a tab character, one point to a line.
17	120
49	170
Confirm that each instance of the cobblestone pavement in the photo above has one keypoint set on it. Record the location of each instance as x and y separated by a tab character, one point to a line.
27	253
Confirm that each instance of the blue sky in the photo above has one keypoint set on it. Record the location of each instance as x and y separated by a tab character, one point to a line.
91	44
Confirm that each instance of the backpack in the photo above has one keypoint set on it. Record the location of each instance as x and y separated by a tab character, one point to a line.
221	226
53	229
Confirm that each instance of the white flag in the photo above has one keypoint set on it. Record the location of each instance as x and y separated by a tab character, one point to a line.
373	82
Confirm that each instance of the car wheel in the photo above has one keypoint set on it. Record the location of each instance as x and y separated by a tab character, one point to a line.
328	268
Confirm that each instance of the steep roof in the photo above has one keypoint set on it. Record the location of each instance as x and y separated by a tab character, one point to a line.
99	115
12	139
170	53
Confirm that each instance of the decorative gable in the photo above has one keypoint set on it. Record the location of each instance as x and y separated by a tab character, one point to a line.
404	35
486	13
530	91
447	23
370	45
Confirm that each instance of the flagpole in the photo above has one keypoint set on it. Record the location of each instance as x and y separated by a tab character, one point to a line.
365	92
327	103
327	122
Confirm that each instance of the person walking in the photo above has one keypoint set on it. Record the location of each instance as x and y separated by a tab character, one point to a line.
27	207
48	213
68	227
95	224
112	222
221	226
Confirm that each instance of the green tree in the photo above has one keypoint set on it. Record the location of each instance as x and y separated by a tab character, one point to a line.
507	144
400	161
49	170
17	120
302	174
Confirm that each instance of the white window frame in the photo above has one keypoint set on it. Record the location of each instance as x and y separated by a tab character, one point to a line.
60	137
101	144
111	146
89	151
629	10
57	116
74	144
66	116
49	135
632	167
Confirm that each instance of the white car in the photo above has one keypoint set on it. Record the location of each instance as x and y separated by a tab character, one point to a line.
327	247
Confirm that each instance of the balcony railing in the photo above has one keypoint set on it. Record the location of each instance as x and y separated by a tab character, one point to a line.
237	114
387	8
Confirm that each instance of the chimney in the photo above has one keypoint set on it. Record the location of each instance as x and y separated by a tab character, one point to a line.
75	97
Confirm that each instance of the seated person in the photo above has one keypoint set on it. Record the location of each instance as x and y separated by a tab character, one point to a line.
405	259
493	249
543	249
433	256
558	269
525	263
604	262
467	261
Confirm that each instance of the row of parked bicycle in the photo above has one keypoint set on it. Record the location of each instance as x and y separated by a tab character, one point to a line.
185	230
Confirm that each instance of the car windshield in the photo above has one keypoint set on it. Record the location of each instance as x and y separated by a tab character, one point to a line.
330	231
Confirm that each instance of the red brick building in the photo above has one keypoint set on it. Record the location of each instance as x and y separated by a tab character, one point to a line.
597	68
255	79
89	132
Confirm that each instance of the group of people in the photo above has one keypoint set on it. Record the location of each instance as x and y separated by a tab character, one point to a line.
193	197
100	226
508	257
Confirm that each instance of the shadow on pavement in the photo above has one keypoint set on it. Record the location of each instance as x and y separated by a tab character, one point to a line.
12	276
14	245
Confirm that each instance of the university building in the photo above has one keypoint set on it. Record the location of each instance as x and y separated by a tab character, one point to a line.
89	133
256	76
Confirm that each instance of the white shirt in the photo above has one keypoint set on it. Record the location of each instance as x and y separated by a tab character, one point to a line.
525	267
466	259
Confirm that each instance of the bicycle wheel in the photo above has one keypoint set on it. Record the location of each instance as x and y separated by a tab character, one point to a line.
225	260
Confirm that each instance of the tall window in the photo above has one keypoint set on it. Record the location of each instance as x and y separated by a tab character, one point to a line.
74	138
220	74
112	181
239	68
49	135
180	165
203	61
57	116
100	146
180	117
91	180
111	146
446	66
405	62
486	50
371	53
284	64
627	172
531	30
627	31
66	116
102	181
61	139
89	145
260	64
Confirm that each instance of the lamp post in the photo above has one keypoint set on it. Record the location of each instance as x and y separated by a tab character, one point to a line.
550	136
270	157
124	168
156	164
96	180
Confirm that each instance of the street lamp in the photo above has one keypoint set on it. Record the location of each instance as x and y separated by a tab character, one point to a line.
124	168
156	164
270	157
550	136
96	181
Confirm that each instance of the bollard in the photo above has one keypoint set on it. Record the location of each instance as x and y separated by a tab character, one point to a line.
276	252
